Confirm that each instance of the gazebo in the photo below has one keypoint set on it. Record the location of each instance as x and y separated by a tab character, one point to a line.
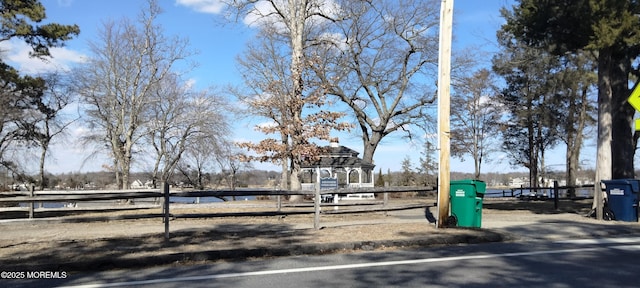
340	163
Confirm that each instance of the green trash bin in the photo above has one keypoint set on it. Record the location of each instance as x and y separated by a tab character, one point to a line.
466	202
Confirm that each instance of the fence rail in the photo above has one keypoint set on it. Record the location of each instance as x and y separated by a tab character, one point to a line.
529	191
31	197
162	198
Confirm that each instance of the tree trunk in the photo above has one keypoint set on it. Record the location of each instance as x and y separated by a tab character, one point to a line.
574	141
116	170
125	177
43	157
533	152
296	158
284	176
603	159
572	153
298	15
370	144
622	147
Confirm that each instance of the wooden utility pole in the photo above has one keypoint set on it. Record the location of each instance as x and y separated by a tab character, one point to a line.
444	91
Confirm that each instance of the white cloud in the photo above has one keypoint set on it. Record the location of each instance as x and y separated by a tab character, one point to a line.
263	13
16	53
203	6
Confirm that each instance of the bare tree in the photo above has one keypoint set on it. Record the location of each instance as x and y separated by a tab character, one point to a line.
229	161
475	116
194	175
198	160
375	60
53	122
117	82
179	117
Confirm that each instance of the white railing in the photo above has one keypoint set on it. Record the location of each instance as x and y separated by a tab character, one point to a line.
312	186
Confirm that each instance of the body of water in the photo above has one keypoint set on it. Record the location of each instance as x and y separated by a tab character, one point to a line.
182	200
45	205
187	200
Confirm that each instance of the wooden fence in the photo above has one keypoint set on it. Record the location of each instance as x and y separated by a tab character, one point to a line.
543	193
32	197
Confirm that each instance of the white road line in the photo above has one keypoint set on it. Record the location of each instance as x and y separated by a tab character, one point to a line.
336	267
628	247
620	240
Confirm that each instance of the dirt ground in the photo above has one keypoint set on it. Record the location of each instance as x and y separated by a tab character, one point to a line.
54	243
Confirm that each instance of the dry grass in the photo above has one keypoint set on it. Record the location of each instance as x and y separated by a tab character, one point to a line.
54	242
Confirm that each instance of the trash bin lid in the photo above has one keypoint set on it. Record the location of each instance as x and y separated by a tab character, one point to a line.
633	183
480	186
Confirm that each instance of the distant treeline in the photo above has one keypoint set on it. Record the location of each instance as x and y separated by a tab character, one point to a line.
248	178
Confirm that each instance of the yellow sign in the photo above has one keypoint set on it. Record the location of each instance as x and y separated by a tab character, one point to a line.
637	124
634	99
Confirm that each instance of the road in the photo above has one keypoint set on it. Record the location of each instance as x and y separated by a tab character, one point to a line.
608	262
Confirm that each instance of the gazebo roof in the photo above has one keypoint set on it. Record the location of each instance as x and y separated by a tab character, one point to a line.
335	156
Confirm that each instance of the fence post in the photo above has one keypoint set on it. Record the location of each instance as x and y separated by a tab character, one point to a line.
556	191
279	204
32	204
165	190
316	207
385	197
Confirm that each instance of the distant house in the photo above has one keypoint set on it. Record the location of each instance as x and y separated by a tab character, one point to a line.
519	182
137	185
90	186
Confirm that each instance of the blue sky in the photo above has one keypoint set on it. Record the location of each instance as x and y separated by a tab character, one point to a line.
218	44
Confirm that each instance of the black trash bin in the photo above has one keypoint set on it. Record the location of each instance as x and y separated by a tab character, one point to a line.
622	197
